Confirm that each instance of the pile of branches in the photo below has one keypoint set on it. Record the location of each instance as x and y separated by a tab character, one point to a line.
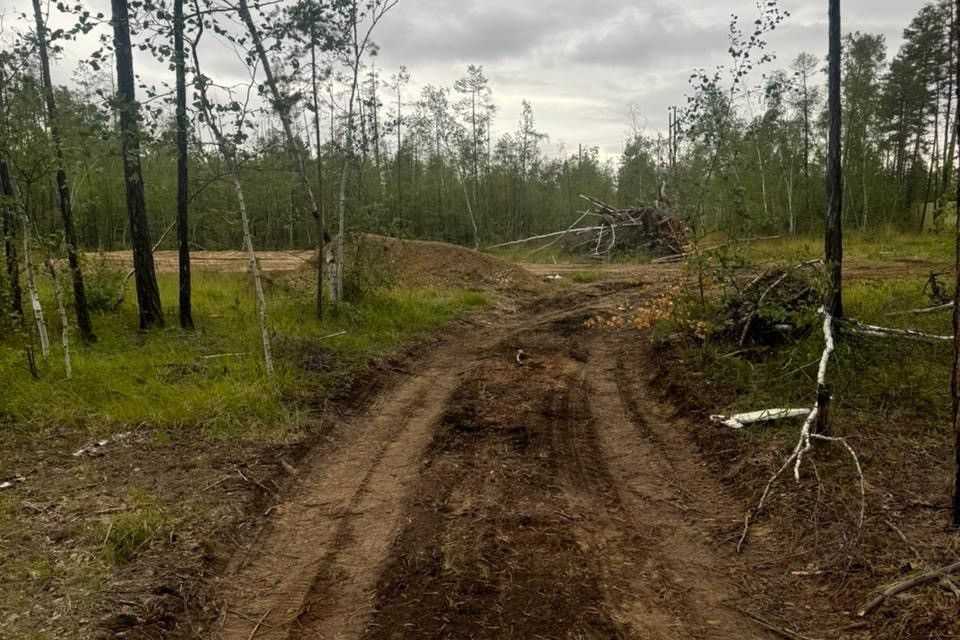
650	229
775	305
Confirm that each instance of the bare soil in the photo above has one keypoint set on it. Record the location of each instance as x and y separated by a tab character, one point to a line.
485	497
410	263
518	476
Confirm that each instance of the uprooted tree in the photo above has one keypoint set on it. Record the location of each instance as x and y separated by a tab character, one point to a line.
651	229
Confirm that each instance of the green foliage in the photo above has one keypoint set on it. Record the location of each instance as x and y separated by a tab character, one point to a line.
586	277
212	379
102	280
124	536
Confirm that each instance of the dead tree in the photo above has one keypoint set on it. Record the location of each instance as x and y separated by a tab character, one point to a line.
63	188
833	237
228	152
148	291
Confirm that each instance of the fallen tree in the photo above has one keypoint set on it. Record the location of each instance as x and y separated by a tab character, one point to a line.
650	229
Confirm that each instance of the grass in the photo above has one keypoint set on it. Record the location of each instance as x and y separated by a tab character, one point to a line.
880	246
586	277
124	536
212	379
898	379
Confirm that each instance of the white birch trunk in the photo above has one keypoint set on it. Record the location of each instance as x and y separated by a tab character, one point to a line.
32	289
64	321
255	271
347	152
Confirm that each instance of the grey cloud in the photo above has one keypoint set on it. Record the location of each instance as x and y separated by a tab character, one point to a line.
650	33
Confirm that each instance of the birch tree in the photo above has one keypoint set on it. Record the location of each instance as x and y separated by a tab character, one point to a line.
63	188
229	153
360	20
282	104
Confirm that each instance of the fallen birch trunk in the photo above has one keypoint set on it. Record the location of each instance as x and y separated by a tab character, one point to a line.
741	420
865	329
807	435
920	312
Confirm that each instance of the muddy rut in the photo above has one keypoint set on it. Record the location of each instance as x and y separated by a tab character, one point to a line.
480	497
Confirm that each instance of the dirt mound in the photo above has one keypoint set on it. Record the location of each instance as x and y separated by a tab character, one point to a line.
418	263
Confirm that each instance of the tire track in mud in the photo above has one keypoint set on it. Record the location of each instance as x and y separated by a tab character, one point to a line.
482	499
353	492
678	582
492	549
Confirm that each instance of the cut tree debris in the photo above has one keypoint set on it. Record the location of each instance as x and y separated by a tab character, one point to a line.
650	229
98	448
906	585
12	482
807	433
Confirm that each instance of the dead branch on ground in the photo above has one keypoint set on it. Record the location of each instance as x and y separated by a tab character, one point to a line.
906	585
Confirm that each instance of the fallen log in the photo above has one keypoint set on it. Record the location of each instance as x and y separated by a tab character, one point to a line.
906	585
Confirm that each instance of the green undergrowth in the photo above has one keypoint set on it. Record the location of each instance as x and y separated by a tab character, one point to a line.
876	381
875	247
212	379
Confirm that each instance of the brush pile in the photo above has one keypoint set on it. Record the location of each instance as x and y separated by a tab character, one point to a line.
652	230
775	305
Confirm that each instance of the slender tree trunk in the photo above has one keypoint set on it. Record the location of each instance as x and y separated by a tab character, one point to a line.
64	321
399	148
376	122
148	292
324	256
956	321
863	188
948	129
63	188
833	237
226	152
10	241
281	106
183	198
254	270
347	152
763	180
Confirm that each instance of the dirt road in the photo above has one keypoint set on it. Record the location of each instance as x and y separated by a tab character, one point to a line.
489	496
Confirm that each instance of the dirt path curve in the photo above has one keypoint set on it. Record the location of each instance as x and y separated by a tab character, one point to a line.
479	498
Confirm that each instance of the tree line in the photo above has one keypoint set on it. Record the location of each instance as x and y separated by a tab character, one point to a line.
320	142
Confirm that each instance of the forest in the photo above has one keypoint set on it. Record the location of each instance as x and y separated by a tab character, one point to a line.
294	344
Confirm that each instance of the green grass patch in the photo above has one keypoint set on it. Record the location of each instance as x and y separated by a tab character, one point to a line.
879	246
122	537
586	277
212	379
874	379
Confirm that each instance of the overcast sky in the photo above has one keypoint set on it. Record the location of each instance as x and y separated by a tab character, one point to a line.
579	62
